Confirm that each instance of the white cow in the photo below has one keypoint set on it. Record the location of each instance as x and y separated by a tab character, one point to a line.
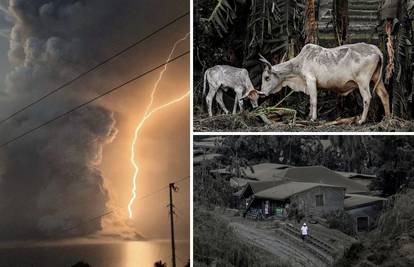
341	69
223	77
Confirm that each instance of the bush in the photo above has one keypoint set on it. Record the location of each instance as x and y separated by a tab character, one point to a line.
398	218
341	221
351	255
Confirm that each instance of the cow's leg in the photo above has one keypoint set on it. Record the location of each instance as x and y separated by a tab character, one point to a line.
383	94
313	94
366	98
219	99
239	97
235	104
209	99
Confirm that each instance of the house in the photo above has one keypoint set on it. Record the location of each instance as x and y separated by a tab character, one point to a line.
323	175
365	210
307	174
274	189
275	198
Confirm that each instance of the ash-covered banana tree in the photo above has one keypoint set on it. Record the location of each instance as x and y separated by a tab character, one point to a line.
273	28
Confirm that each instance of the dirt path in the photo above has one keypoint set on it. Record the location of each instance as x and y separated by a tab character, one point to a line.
280	244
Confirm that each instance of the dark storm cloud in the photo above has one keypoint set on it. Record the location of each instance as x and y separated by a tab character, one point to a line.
50	180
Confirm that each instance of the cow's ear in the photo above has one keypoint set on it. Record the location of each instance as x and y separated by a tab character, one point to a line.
249	93
268	66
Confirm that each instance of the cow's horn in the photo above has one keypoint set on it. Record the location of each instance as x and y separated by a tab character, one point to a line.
264	60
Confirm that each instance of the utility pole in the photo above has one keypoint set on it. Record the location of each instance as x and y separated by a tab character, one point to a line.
172	188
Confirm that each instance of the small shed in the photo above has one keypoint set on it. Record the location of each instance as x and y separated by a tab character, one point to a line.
365	210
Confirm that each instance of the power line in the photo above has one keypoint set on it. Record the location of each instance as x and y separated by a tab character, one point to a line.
92	100
162	188
94	68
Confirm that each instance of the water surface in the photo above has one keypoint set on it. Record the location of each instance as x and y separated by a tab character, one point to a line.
119	254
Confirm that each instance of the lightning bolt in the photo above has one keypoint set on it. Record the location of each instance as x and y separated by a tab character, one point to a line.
147	114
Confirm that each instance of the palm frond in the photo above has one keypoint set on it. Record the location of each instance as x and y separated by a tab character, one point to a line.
223	16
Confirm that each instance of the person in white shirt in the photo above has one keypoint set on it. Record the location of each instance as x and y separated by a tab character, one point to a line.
304	231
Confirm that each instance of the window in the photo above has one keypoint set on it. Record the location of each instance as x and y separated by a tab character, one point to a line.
319	200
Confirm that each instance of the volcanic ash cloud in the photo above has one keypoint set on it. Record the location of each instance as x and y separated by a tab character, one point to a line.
49	179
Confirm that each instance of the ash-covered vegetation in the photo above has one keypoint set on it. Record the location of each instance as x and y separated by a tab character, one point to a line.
387	158
235	33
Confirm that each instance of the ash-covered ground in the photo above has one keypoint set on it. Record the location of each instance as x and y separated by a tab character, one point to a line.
249	122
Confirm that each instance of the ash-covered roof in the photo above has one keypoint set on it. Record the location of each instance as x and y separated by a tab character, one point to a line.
288	189
322	175
265	171
206	157
261	171
239	182
260	186
353	175
208	143
353	201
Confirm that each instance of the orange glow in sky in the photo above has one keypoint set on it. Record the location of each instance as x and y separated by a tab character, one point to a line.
147	114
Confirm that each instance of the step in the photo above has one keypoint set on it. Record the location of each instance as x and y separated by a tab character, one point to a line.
356	26
298	241
361	12
355	12
365	1
353	18
364	6
315	241
327	38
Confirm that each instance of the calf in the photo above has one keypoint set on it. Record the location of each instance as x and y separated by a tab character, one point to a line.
341	69
222	77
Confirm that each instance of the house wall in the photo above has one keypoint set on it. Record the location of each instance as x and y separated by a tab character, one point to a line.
260	204
306	201
372	212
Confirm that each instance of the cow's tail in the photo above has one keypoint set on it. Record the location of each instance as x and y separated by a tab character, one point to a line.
380	66
205	83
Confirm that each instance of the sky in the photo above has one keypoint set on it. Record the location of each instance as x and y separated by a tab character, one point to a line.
78	167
